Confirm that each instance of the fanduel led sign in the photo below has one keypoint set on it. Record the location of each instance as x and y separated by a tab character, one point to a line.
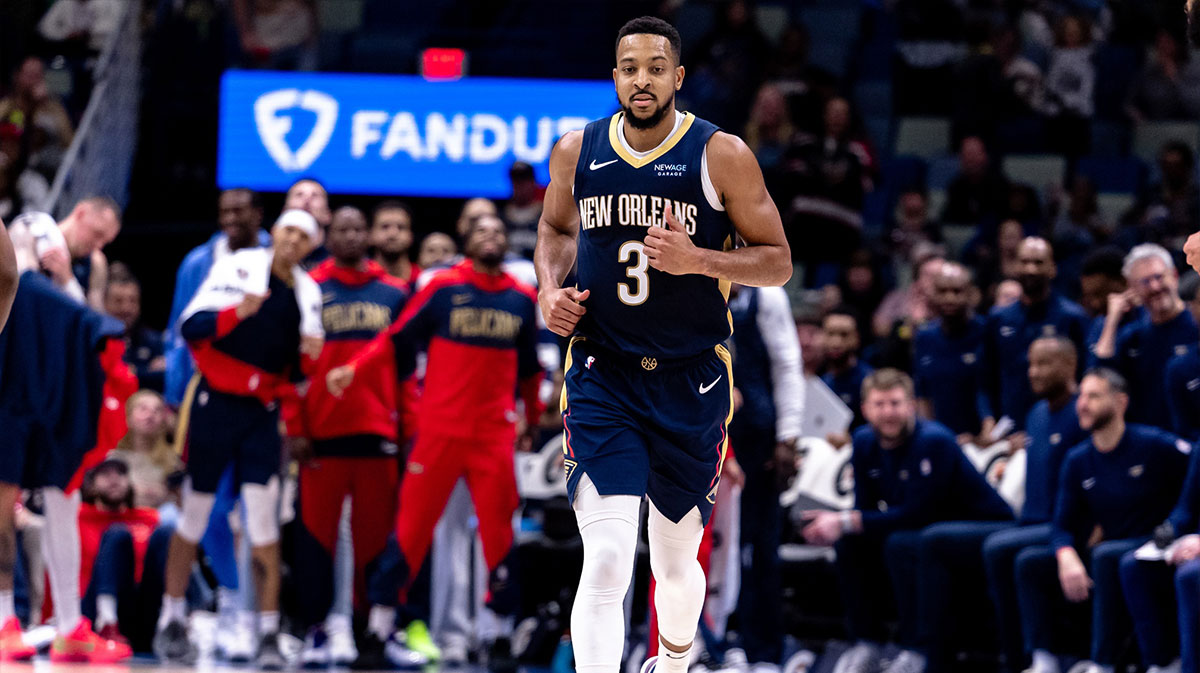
395	134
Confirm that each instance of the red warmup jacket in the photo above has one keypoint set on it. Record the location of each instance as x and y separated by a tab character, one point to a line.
357	306
120	383
93	521
480	333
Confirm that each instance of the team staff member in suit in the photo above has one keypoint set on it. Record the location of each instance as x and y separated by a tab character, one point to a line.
1114	489
909	473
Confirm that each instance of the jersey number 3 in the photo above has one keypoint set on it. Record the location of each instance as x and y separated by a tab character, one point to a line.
634	294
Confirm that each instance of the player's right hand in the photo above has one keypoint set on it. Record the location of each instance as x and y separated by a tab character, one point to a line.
251	303
56	262
562	309
338	379
1192	249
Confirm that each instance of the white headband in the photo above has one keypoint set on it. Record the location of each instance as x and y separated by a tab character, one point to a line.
301	220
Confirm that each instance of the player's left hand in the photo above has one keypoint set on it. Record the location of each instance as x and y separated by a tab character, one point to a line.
1186	549
732	472
338	379
311	346
671	250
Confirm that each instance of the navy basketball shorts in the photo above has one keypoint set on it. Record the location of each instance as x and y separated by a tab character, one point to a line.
642	426
224	430
26	459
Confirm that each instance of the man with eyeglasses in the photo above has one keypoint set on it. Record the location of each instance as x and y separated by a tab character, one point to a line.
1141	350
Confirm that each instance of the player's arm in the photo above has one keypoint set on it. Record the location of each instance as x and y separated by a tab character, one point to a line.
558	230
765	259
9	276
98	281
400	342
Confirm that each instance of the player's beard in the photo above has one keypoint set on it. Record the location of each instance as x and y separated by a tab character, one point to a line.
1103	419
653	120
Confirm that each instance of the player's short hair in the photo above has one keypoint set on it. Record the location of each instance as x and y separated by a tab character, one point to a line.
103	203
1063	346
1115	381
888	378
1143	252
391	204
309	178
255	197
120	274
474	222
1106	261
845	310
649	25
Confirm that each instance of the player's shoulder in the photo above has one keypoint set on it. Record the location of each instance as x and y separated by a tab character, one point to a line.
569	146
723	147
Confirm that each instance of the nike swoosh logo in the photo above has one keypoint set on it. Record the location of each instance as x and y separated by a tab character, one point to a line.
595	165
704	389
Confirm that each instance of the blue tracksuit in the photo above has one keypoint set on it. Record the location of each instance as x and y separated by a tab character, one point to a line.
1123	494
946	371
1010	331
1183	394
1142	353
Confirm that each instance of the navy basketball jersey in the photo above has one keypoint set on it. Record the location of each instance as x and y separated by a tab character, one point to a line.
633	308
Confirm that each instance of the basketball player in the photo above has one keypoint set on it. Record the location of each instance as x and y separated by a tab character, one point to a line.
649	203
70	252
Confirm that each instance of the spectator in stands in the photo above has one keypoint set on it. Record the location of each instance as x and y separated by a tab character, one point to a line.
910	473
145	449
1011	330
994	84
311	196
911	224
1101	276
436	248
1070	81
770	129
523	209
911	305
1114	489
1169	84
805	86
1168	211
1080	225
861	285
239	217
32	109
728	64
1008	292
122	575
1140	351
844	372
946	355
812	340
994	258
143	346
978	194
22	189
824	178
392	239
277	34
1051	430
765	431
86	23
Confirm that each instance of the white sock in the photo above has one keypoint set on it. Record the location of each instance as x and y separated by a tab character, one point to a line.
247	620
173	610
228	603
1044	662
670	661
268	622
106	610
60	547
338	623
7	611
381	621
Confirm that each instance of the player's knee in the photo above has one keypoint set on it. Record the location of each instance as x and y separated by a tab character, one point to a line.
262	512
606	564
193	520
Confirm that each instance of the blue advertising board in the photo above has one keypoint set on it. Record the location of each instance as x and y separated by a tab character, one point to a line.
395	134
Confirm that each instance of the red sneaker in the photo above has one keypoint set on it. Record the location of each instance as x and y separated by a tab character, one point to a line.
84	646
12	648
112	632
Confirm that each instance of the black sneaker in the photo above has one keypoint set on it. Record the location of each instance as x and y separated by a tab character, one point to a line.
171	644
500	657
269	657
371	656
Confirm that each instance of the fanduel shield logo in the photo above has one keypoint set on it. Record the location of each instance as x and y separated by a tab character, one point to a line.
274	127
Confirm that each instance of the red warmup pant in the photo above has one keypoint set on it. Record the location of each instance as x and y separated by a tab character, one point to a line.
435	465
371	484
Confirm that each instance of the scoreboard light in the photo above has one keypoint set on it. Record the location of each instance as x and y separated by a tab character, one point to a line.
443	64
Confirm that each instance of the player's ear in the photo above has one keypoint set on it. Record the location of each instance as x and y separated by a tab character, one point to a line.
678	77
